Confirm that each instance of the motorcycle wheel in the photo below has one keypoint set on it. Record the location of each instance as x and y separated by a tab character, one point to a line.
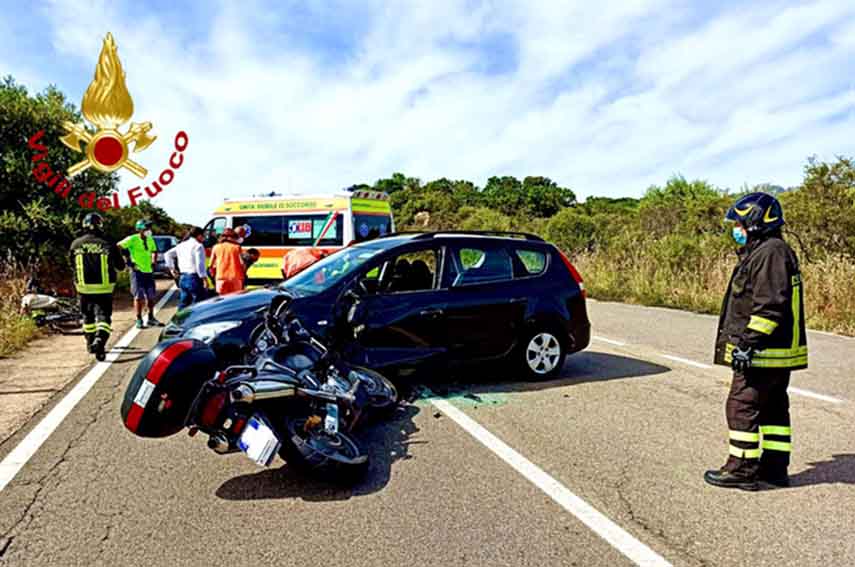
332	457
382	394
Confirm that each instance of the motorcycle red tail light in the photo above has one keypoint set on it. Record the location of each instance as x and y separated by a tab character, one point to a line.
211	410
238	426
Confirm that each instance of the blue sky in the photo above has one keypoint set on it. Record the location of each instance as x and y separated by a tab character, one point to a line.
606	98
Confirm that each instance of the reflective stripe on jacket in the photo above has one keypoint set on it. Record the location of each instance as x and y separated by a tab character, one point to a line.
94	263
764	308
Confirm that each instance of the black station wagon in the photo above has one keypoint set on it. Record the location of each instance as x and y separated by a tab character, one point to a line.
431	300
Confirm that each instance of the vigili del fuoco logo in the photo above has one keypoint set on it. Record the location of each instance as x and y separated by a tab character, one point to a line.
107	105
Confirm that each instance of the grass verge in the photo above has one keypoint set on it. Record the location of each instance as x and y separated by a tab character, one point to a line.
15	330
829	285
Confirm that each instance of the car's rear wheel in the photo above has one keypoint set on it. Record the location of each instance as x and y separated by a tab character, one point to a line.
541	354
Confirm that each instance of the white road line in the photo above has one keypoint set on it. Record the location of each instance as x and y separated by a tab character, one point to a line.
616	536
20	455
609	341
814	395
686	361
792	390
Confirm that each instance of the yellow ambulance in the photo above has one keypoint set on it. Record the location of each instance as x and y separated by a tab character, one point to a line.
276	224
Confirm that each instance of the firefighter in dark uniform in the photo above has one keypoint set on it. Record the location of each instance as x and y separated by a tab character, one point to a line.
761	336
95	262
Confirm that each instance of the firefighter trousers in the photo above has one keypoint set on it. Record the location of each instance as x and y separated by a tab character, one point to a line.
97	310
758	416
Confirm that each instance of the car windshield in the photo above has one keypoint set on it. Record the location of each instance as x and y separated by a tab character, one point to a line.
324	274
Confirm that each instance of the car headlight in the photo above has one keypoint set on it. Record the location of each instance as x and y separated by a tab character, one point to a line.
207	332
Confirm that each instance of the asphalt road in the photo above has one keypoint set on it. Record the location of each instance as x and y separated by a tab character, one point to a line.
627	431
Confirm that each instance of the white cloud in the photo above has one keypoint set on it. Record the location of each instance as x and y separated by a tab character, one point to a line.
606	98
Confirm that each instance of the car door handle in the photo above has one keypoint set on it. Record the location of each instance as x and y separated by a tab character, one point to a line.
518	300
433	312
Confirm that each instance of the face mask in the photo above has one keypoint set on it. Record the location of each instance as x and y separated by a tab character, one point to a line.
739	235
147	233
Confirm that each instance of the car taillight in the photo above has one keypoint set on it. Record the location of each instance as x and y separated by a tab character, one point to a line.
211	411
574	273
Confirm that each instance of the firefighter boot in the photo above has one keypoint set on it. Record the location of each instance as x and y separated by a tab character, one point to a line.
731	479
773	469
97	348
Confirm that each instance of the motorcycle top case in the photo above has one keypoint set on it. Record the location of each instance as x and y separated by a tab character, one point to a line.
164	386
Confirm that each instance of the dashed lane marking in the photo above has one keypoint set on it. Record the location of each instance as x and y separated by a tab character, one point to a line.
608	341
791	389
814	395
617	537
23	452
686	361
689	362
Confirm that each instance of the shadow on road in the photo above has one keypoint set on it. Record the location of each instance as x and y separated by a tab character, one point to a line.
386	443
579	368
389	442
840	469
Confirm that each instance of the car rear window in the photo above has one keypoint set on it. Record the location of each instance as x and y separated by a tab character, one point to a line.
483	265
531	262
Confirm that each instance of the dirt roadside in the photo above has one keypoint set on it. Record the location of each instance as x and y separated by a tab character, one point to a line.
32	376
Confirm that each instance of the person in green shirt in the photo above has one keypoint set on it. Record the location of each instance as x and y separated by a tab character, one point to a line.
138	250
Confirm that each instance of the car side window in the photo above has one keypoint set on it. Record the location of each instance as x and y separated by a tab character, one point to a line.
478	265
409	272
528	262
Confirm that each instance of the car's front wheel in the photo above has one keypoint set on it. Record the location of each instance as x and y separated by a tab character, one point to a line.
541	354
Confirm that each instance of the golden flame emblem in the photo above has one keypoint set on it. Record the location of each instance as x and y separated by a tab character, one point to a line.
108	104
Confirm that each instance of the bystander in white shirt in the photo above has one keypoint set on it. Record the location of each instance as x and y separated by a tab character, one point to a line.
191	258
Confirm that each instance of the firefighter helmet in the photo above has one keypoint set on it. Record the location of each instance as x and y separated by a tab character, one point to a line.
758	213
93	221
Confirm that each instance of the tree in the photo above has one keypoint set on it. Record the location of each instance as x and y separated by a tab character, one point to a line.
543	197
121	223
822	211
535	196
682	206
35	222
504	194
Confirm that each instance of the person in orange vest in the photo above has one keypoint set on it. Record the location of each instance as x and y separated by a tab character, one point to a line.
226	264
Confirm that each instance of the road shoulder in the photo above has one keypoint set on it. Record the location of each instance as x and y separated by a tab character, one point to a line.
30	378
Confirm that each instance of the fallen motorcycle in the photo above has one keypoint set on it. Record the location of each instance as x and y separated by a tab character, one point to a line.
62	314
298	399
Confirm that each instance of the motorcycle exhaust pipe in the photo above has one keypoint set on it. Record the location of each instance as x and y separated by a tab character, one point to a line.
261	390
219	444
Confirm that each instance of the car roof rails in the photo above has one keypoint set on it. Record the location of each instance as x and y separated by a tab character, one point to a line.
500	233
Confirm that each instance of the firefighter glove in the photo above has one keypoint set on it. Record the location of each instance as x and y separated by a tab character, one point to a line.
742	358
